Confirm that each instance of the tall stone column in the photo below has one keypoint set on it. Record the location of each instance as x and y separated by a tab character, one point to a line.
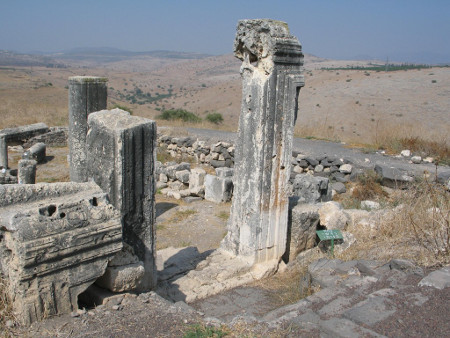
121	159
271	73
87	94
3	152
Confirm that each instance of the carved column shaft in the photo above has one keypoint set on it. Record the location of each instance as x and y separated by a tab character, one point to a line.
271	73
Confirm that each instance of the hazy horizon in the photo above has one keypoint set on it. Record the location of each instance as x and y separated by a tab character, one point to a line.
408	31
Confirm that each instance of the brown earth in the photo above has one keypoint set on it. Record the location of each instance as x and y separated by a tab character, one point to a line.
348	105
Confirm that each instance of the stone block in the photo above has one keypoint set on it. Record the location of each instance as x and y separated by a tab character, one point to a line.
370	311
57	240
393	177
197	181
438	279
333	216
224	172
346	168
26	173
339	187
183	176
23	133
310	189
218	189
302	226
121	160
123	278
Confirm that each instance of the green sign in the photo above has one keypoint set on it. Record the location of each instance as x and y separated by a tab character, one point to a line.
327	235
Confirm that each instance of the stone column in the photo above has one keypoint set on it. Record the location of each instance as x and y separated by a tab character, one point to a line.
3	152
26	172
87	94
121	159
271	79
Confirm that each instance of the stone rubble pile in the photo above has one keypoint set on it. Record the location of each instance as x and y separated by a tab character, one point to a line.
220	154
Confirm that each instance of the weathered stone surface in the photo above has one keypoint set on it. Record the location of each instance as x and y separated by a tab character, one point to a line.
346	168
183	176
311	189
272	77
36	152
371	310
344	328
218	189
303	222
23	133
333	216
123	278
370	205
56	241
224	172
8	176
197	181
438	279
26	173
416	159
339	187
87	94
121	160
56	137
393	177
3	152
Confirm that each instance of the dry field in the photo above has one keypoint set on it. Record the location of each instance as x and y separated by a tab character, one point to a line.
354	106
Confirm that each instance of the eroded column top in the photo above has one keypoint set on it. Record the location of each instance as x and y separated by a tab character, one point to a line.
87	79
257	40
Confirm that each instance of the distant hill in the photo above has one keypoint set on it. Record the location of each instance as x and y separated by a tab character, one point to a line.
107	54
8	59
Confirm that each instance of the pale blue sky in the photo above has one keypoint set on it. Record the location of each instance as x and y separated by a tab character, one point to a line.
406	30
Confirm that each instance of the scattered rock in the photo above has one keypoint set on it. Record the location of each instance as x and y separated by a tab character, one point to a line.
346	168
405	153
333	216
416	159
339	187
438	279
370	205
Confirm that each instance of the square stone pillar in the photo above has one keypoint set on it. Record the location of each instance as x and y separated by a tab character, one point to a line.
87	94
121	159
271	80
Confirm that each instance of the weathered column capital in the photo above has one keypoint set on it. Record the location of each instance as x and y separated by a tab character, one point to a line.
260	43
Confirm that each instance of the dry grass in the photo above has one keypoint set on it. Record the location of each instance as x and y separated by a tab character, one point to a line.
6	311
418	229
224	215
367	187
285	288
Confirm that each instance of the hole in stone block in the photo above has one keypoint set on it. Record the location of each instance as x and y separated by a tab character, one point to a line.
47	211
93	296
94	201
62	215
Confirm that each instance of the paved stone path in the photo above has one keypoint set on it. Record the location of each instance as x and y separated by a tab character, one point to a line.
356	299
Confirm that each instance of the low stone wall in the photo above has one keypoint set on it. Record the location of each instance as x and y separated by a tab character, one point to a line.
55	137
313	178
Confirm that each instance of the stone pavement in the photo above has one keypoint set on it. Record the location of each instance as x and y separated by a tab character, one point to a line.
356	298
